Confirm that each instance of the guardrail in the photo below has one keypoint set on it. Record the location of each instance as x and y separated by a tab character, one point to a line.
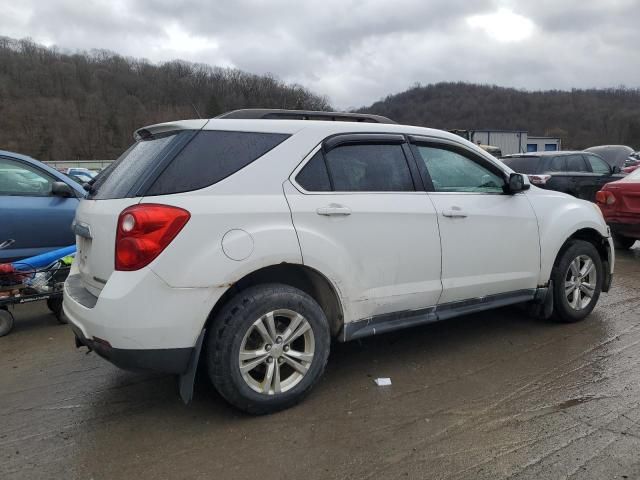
90	164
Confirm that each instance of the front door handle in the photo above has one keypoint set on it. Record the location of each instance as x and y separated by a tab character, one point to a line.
334	210
454	212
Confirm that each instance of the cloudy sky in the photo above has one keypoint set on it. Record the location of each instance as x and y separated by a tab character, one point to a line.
358	51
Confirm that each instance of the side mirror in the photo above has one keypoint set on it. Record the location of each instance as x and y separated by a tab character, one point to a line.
518	183
615	169
61	189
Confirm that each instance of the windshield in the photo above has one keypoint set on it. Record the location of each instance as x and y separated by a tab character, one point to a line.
523	164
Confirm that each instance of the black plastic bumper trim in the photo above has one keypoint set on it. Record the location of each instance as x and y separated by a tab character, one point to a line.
166	360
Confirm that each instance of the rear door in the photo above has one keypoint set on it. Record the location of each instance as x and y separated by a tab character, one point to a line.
360	214
490	242
582	179
32	219
601	174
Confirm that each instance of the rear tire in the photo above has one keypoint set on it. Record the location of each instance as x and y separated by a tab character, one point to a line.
623	243
577	281
55	305
6	322
267	348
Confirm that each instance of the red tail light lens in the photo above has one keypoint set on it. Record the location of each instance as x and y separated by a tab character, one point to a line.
605	197
144	231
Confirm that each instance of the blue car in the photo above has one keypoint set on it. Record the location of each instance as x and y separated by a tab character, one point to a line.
37	206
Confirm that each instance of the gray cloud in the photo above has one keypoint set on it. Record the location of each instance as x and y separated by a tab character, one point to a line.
355	51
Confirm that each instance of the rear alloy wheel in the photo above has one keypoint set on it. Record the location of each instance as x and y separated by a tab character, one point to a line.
577	279
623	243
6	322
267	348
276	352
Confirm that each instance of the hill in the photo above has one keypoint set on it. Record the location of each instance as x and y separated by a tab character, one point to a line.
56	106
582	118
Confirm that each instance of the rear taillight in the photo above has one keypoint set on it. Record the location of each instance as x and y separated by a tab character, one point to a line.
144	231
605	197
539	179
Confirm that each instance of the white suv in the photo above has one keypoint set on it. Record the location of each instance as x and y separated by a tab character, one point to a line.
250	240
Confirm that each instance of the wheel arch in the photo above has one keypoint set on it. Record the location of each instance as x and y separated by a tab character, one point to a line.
601	244
305	278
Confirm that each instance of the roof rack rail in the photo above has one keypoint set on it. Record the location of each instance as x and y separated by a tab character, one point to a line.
278	114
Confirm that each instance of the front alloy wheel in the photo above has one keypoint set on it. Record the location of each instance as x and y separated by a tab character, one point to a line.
580	282
577	281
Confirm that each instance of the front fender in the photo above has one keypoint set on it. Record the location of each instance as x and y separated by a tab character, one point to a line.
560	217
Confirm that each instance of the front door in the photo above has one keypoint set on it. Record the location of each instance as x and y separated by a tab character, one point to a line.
490	242
359	215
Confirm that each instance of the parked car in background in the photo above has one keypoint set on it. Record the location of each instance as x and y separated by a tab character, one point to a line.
80	171
495	151
630	169
80	177
614	155
580	174
37	206
620	205
254	242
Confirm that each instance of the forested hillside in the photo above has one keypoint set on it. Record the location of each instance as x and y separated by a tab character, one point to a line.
56	106
581	117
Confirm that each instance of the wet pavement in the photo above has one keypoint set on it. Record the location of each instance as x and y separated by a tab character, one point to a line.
494	395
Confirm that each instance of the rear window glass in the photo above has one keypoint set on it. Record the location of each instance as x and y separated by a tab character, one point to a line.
369	168
117	180
212	156
523	164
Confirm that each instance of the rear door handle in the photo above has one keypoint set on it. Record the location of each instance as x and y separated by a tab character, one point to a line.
454	212
334	210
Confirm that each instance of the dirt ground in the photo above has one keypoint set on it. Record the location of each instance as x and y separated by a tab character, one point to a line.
494	395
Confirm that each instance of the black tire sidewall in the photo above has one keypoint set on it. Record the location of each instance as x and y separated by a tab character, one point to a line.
562	309
223	346
623	243
6	322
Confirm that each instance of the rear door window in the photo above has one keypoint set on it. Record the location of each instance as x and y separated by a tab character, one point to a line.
369	168
558	164
575	163
523	164
314	176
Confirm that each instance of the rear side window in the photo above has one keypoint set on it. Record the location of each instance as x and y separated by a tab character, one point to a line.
523	164
212	156
557	164
314	176
369	168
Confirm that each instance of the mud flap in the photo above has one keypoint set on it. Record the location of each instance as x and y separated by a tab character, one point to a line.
187	379
543	305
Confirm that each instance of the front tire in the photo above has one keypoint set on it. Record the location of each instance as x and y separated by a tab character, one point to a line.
577	281
267	348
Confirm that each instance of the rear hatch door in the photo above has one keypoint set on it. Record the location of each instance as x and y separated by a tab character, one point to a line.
119	186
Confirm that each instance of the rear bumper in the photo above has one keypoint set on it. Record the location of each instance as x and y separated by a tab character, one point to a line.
138	322
170	360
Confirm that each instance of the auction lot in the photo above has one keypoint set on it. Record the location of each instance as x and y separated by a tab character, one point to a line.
493	395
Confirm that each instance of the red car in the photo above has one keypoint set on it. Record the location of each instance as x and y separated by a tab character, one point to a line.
620	205
630	169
